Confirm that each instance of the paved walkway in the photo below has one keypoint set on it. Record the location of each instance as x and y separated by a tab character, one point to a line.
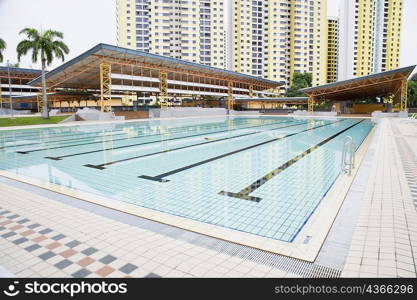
40	237
384	243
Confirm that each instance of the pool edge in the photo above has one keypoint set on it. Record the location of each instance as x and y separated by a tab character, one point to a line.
298	249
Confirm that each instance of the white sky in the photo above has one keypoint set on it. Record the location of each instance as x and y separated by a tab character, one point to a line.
86	23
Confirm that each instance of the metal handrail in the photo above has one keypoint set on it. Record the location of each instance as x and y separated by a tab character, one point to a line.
348	155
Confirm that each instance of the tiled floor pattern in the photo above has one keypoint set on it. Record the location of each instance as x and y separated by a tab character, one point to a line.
384	243
63	241
408	157
66	254
44	243
410	167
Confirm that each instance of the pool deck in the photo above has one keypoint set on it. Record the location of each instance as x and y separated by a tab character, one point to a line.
44	234
384	242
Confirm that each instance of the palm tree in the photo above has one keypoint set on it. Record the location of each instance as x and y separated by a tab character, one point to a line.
2	47
45	44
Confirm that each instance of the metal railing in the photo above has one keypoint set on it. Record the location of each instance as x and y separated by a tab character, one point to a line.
348	155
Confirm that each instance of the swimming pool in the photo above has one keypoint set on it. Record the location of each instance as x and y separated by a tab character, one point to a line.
259	175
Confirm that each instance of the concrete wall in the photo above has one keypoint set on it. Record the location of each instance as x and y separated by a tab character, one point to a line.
180	112
367	108
133	114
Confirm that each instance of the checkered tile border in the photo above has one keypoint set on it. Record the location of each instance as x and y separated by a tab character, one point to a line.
61	251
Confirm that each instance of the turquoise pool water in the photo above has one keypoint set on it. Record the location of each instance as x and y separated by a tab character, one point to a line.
261	175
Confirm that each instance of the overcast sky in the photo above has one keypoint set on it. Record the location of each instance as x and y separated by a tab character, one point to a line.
86	23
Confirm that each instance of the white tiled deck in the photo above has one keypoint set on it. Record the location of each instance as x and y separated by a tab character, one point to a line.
384	243
150	252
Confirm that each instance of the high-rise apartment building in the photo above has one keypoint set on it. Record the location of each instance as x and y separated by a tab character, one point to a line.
248	36
370	33
192	30
332	48
387	40
277	38
272	39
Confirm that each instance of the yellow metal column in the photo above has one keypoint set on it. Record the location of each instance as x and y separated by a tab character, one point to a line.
310	104
251	91
105	86
163	89
230	95
403	96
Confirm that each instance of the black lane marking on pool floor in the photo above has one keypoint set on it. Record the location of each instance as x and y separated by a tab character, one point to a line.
72	133
160	177
131	138
128	138
157	141
245	193
102	166
66	141
119	133
49	136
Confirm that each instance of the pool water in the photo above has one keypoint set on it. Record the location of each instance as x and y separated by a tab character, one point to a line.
261	175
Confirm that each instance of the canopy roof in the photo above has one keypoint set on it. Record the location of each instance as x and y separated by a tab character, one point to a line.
84	70
375	85
19	73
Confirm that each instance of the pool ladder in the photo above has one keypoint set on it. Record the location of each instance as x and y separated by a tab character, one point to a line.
348	155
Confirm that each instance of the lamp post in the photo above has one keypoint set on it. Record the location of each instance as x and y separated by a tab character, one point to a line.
10	89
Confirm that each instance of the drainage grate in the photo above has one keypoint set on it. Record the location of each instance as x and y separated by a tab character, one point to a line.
409	163
280	262
284	263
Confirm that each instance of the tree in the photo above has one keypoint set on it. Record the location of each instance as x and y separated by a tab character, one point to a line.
412	93
414	77
45	45
2	47
299	81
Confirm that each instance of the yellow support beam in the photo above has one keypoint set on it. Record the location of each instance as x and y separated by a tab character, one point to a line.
403	95
105	87
251	91
310	104
230	95
163	89
310	124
